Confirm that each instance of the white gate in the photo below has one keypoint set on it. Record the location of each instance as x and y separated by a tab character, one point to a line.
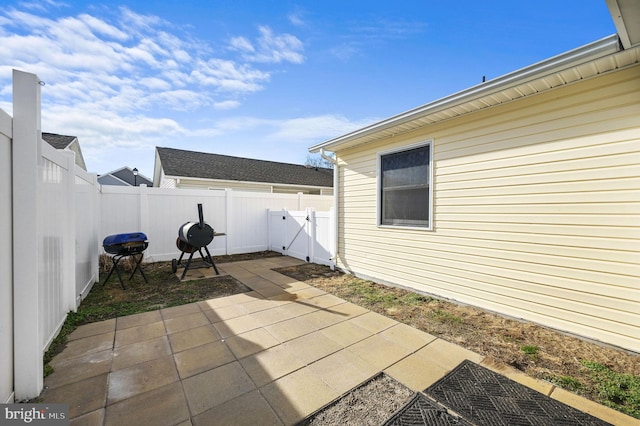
305	235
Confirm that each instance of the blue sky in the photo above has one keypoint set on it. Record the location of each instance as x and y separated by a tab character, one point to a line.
264	79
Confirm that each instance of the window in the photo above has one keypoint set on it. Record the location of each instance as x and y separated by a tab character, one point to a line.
404	187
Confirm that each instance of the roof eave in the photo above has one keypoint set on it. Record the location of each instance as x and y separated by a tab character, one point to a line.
571	59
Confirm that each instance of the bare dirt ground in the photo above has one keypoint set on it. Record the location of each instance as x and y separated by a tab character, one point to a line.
538	351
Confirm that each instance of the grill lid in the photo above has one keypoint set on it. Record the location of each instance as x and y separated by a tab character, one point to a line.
119	239
195	234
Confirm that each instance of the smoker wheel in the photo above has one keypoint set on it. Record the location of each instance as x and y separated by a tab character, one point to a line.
174	265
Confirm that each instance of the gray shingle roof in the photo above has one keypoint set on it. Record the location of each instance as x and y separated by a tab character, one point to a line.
124	176
177	162
58	141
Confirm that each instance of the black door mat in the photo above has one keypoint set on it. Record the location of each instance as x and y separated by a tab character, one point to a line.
422	411
484	397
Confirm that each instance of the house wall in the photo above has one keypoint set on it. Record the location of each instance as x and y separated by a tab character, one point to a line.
79	159
537	211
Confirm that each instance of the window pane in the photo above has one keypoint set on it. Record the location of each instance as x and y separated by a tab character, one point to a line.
406	168
405	188
406	207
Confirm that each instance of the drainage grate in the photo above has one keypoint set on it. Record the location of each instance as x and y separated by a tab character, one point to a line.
488	398
422	411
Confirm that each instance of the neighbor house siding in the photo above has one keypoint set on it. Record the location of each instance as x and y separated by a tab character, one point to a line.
537	210
189	183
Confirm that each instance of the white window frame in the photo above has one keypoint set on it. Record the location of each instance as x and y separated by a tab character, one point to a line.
429	144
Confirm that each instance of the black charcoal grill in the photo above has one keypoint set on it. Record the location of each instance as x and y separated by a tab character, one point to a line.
194	237
125	245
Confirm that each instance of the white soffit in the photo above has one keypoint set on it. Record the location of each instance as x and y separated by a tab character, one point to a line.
579	64
626	17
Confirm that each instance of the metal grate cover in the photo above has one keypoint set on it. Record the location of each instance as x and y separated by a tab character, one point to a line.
487	398
422	411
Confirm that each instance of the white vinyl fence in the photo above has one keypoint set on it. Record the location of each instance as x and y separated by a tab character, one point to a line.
306	235
6	262
57	215
159	213
52	207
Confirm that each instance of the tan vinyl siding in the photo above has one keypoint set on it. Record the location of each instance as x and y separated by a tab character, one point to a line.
187	183
537	211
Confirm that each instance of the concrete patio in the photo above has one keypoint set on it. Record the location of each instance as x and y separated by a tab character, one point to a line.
271	356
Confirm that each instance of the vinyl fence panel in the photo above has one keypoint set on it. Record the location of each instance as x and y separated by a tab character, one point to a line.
322	237
248	221
168	209
87	223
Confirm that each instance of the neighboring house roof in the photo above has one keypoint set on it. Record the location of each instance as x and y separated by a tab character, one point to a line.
124	177
58	141
70	143
579	64
181	163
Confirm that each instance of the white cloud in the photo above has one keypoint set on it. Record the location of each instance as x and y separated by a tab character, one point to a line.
362	36
296	18
131	45
269	47
225	105
107	74
301	132
112	79
241	44
306	131
41	5
103	27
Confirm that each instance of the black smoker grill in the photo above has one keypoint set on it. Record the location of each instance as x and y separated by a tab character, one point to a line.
125	245
194	237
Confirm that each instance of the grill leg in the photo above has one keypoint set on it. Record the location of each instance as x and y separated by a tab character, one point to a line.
138	268
186	268
215	268
115	260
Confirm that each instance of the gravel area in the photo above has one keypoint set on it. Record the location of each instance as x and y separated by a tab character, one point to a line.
370	404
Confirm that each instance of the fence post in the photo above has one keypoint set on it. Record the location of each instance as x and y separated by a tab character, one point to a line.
333	247
269	240
97	227
228	219
143	193
27	156
6	261
311	214
285	213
